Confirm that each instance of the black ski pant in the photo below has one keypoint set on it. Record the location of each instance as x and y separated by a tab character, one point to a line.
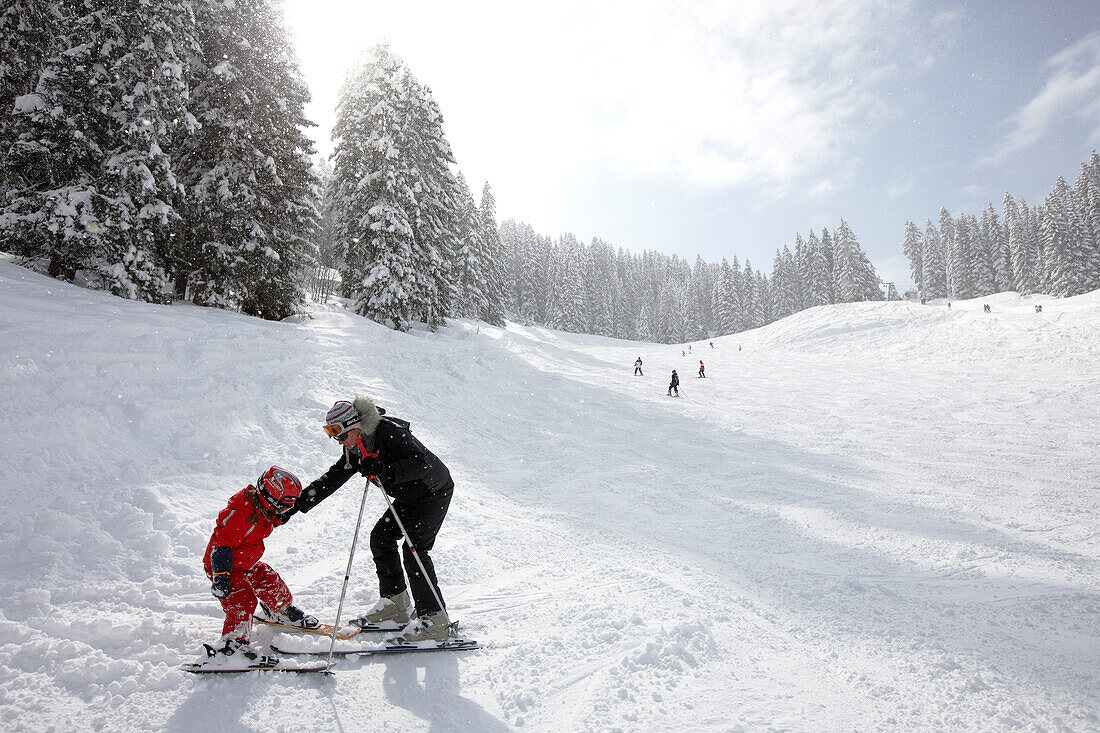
422	520
637	371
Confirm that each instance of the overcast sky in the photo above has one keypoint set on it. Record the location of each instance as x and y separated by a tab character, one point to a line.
723	128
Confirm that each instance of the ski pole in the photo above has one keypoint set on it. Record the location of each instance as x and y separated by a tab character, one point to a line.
347	573
412	548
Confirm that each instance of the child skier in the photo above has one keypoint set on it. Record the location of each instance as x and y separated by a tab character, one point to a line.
638	368
232	562
674	384
702	374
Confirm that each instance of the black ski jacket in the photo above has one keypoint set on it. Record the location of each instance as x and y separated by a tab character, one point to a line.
409	472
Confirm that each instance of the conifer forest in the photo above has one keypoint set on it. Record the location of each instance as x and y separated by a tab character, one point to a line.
159	151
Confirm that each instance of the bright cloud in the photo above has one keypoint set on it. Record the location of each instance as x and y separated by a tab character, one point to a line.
710	94
1073	88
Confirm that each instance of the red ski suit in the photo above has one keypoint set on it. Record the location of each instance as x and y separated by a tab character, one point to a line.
243	528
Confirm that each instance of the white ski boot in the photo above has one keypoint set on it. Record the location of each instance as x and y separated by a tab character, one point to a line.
294	616
432	627
290	616
237	649
394	608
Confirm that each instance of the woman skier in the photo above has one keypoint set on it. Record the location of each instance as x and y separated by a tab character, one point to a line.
232	562
421	487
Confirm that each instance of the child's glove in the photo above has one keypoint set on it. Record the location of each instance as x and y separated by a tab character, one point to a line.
220	588
221	562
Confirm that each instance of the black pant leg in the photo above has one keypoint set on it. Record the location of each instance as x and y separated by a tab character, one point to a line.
425	519
387	560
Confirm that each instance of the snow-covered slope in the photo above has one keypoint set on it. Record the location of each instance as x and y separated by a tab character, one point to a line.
871	516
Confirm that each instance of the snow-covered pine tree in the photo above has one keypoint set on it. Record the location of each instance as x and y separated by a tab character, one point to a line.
1086	196
843	273
947	245
934	269
789	293
1022	265
751	312
764	313
373	193
827	275
471	256
96	191
494	259
329	255
572	296
801	257
739	298
979	256
28	36
724	319
913	247
627	273
439	201
854	278
702	288
669	321
993	235
252	217
818	276
601	282
546	269
1064	243
960	263
1042	259
780	304
645	317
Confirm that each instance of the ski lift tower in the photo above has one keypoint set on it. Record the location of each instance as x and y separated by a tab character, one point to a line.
891	292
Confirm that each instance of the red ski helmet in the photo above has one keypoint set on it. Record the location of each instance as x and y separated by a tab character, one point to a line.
278	489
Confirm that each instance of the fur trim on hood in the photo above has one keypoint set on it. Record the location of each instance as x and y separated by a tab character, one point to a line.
369	414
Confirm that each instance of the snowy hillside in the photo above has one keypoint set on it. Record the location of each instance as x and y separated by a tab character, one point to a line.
878	516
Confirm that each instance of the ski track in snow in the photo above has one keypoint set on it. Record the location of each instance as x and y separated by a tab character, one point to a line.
877	516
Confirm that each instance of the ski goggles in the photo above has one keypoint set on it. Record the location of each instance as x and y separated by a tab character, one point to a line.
336	430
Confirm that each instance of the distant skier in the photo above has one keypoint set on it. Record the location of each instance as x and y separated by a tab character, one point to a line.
689	348
674	384
986	308
232	562
702	374
1038	308
712	344
683	353
638	368
376	444
948	305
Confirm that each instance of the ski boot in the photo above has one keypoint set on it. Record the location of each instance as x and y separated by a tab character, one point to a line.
293	616
432	627
394	608
242	650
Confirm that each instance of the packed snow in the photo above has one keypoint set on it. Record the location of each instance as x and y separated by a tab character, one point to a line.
875	516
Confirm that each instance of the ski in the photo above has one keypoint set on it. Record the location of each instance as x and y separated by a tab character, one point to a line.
345	632
370	628
195	668
392	648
